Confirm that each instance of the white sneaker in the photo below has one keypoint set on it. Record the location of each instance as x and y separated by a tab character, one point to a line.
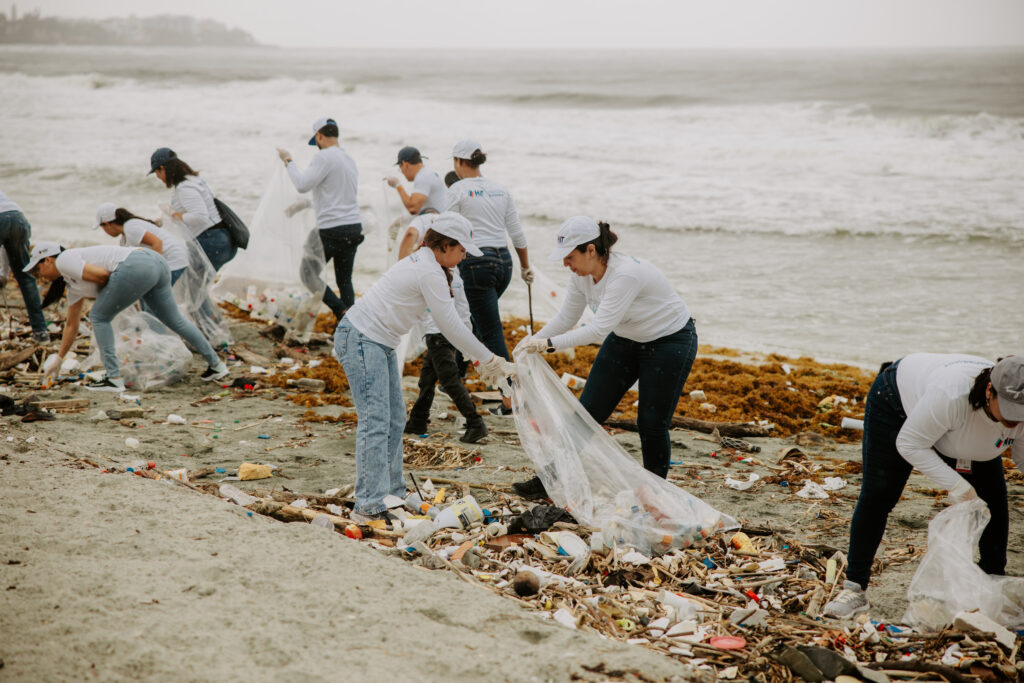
215	372
107	384
853	600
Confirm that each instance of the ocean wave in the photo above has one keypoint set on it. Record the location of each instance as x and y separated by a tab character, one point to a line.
591	100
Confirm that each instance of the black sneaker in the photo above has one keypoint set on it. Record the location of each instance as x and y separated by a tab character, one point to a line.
215	372
106	384
41	337
416	428
500	412
532	489
362	518
474	433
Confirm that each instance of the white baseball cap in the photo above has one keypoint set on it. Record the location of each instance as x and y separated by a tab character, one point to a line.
41	250
458	227
574	232
1008	381
464	148
106	213
318	124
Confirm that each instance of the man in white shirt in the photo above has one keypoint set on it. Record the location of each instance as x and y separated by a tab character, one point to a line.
333	179
428	192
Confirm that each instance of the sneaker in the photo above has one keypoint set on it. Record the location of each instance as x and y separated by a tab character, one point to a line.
474	433
363	518
853	600
416	428
106	384
41	337
217	371
532	489
501	411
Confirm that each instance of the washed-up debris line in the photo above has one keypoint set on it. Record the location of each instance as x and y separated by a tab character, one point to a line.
421	454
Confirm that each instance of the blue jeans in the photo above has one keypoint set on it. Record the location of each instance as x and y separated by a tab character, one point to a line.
375	381
143	276
661	367
486	278
15	232
340	243
175	274
216	243
885	475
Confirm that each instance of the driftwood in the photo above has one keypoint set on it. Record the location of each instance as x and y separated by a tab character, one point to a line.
679	422
947	672
12	358
70	405
283	350
289	513
251	357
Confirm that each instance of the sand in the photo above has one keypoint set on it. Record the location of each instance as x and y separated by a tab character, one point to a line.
112	576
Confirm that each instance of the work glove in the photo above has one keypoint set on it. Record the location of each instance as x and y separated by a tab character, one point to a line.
392	181
962	492
526	272
51	366
284	154
299	205
530	344
495	370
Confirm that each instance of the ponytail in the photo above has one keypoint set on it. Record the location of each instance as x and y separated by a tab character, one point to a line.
476	159
122	216
602	243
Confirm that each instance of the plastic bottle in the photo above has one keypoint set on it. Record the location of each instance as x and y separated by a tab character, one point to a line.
141	466
419	506
461	514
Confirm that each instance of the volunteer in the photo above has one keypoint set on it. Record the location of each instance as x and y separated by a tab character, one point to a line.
492	213
365	343
644	328
139	232
192	204
950	416
116	277
441	362
333	179
428	191
15	234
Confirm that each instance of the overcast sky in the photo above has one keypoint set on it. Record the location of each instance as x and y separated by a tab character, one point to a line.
610	24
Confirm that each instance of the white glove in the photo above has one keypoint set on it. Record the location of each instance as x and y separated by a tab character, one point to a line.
962	492
530	344
284	154
495	370
300	204
51	366
527	274
392	181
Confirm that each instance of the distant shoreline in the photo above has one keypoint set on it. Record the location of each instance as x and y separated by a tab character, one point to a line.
166	30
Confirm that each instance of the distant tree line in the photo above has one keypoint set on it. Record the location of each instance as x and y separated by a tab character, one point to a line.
166	29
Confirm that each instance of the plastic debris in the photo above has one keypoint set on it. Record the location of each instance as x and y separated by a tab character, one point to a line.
248	471
742	485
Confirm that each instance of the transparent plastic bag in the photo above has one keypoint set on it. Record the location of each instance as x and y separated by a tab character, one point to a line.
948	581
585	471
281	276
148	353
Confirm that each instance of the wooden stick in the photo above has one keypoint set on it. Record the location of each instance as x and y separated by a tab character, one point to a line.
258	422
485	487
680	422
12	358
290	513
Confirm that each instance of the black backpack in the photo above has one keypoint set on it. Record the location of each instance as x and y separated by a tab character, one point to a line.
236	226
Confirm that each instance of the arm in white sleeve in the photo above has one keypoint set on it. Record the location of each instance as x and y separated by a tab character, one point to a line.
442	308
1018	456
568	315
933	416
513	226
619	296
462	308
452	199
194	212
304	181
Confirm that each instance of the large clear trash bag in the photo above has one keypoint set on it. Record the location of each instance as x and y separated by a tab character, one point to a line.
192	290
149	354
585	471
948	581
281	276
396	218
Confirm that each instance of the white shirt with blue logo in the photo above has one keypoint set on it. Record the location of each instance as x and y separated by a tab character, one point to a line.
431	185
490	209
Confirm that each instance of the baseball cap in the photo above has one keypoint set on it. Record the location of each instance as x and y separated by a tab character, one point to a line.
105	214
160	157
40	251
317	125
458	227
410	155
1008	381
464	148
574	232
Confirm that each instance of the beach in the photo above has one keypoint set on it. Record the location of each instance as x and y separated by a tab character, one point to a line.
114	576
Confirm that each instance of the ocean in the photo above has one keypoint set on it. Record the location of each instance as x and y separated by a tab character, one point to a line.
848	205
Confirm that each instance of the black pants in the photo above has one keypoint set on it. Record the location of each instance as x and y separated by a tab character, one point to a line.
885	475
339	243
440	366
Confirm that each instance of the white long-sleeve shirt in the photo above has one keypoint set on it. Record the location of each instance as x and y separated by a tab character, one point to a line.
193	199
408	289
934	389
71	263
461	306
430	184
174	251
491	211
333	178
633	299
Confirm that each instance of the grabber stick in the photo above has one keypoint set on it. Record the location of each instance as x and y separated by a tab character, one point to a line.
529	304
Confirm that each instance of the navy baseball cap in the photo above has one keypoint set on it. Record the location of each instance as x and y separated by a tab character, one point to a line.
160	157
409	155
